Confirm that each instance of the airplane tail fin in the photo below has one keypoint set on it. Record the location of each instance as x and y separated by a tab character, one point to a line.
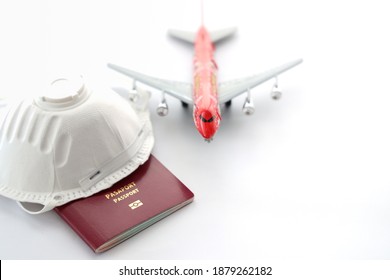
190	37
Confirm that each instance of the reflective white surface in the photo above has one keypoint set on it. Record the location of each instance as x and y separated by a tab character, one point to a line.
304	177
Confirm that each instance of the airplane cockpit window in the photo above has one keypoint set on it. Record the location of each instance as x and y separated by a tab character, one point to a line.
207	120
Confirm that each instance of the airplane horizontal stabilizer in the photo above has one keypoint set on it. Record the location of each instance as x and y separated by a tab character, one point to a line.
218	35
190	37
186	36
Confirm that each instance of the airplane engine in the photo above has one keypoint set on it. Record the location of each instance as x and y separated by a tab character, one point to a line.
133	93
162	108
276	93
249	106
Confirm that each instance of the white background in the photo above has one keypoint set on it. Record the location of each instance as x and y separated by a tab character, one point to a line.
304	178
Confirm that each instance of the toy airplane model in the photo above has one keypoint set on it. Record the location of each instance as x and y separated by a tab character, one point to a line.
206	94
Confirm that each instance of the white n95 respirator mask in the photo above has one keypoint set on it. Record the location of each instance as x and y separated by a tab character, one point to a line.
70	143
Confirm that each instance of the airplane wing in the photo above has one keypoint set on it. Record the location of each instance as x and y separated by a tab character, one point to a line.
231	89
182	91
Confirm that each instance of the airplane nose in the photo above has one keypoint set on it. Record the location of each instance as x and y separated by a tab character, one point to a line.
207	130
207	123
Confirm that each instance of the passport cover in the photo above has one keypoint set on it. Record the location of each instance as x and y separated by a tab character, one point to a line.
109	217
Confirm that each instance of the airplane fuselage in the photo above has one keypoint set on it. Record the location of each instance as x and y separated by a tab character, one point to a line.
205	86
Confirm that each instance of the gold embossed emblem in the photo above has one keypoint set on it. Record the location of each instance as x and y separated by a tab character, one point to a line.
135	204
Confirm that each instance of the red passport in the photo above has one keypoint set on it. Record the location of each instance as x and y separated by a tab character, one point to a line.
111	216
